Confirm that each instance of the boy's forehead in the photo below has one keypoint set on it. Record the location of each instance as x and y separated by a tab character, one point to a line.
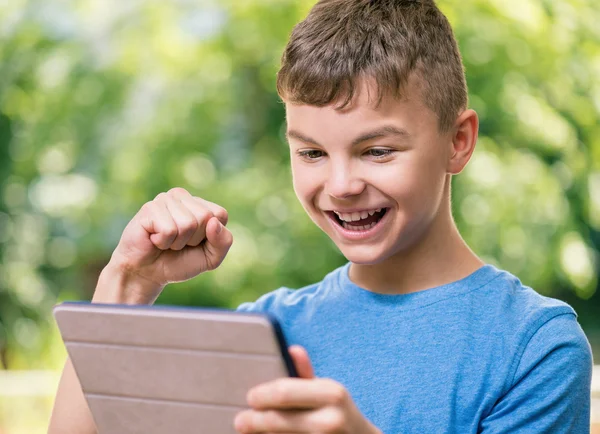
366	95
365	108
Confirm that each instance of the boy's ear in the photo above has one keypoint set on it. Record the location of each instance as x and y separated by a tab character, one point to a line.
464	139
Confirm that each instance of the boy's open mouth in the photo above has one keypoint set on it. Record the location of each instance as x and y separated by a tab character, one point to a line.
356	222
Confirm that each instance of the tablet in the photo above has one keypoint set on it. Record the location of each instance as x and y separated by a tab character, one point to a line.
162	369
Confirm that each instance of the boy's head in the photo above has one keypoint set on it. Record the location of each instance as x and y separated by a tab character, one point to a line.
377	123
343	42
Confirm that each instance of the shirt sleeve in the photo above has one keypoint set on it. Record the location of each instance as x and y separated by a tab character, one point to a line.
550	391
266	303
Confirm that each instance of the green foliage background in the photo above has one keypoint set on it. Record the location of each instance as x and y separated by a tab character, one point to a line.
105	103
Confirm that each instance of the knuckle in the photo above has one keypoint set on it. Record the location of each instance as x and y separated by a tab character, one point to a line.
147	208
178	191
170	231
190	225
271	419
204	217
280	393
221	213
332	421
338	394
160	196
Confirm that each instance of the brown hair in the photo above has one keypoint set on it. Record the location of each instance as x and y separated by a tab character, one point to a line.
343	41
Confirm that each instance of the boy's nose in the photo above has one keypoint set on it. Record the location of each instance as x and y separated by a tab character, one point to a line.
342	183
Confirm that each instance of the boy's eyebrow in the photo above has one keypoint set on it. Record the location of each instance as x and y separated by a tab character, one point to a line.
386	130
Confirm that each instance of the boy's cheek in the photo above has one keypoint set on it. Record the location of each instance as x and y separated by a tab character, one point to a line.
305	188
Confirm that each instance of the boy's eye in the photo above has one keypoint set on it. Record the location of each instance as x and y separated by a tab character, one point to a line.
380	153
311	154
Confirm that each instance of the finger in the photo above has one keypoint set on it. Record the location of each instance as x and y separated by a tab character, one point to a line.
218	242
184	195
297	393
202	215
179	192
186	222
327	419
157	221
301	361
267	422
210	254
218	211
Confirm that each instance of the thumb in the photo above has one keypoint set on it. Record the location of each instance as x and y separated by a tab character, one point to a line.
301	361
218	242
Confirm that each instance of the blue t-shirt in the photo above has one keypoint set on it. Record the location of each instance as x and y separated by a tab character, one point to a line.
485	354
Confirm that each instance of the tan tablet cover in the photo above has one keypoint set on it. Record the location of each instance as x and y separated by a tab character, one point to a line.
162	371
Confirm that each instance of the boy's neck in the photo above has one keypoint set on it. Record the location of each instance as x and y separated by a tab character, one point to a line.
440	257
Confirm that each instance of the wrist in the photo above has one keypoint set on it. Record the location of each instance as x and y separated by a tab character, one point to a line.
119	285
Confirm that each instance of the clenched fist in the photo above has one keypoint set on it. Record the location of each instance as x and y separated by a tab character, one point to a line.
172	238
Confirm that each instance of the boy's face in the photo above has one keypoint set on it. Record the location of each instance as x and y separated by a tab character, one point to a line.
347	164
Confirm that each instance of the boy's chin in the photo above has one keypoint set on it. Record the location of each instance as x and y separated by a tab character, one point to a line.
362	255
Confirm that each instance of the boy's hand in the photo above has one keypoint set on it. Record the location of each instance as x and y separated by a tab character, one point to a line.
302	405
172	238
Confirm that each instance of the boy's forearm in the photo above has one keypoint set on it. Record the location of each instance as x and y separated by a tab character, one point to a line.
71	414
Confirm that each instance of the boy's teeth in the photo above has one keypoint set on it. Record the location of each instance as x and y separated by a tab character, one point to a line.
356	216
357	228
347	217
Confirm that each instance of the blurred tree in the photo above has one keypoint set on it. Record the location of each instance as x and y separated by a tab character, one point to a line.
104	104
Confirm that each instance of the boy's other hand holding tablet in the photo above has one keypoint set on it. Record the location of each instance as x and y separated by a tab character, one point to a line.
303	405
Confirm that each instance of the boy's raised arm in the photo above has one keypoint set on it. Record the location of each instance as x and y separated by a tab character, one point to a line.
171	239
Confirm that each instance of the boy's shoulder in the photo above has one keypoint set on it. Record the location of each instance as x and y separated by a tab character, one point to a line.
506	285
510	304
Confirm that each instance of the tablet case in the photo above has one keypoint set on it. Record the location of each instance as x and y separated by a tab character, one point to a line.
163	370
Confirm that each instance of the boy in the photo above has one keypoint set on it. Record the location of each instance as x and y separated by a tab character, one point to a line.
415	334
